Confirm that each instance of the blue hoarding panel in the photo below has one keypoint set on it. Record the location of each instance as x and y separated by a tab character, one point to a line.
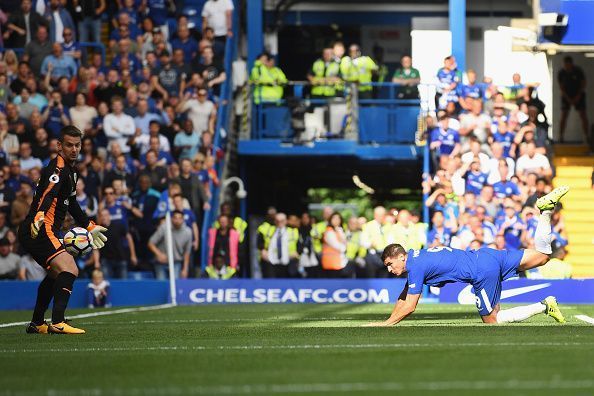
21	295
568	291
289	291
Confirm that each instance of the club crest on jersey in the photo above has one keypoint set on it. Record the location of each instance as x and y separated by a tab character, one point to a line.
54	178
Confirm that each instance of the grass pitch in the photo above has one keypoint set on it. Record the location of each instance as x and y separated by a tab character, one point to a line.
300	349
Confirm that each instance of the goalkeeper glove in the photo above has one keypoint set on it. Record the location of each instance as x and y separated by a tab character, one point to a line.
36	224
97	234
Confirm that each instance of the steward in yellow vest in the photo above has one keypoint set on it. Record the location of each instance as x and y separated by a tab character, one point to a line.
239	224
324	76
362	70
268	79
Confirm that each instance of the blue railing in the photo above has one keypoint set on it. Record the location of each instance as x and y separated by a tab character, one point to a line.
83	45
223	119
384	119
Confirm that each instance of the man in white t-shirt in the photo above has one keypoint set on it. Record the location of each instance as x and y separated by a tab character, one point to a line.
119	126
493	164
476	123
533	162
217	14
201	111
475	151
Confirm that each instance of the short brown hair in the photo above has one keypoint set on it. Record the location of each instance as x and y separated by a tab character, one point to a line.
392	251
70	130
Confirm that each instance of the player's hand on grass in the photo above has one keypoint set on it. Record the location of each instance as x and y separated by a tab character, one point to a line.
99	238
36	224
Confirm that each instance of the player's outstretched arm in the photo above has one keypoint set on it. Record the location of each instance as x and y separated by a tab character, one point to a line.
406	304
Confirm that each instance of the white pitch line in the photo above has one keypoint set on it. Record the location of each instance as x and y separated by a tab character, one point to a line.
100	313
585	318
317	388
293	347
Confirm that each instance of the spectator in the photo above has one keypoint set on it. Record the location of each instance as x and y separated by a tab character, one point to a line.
82	114
182	245
475	179
154	141
87	203
125	58
157	173
506	138
109	88
55	115
21	205
117	212
25	107
440	235
22	26
89	24
214	75
448	82
308	260
504	187
189	219
334	260
281	257
470	92
324	76
444	140
7	196
29	270
98	291
511	227
373	239
157	11
118	126
186	43
493	164
145	199
113	257
219	270
166	78
27	160
16	178
186	143
37	50
363	68
533	162
70	47
408	78
59	18
572	84
144	117
224	243
192	189
201	111
3	225
9	261
218	15
477	124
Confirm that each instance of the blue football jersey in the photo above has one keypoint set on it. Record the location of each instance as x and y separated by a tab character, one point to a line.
438	266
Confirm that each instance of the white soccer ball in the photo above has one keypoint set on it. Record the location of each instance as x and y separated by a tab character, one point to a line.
77	242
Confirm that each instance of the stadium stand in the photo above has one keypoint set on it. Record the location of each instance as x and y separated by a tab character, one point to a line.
162	114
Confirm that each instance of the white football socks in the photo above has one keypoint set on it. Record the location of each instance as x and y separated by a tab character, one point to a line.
542	236
519	314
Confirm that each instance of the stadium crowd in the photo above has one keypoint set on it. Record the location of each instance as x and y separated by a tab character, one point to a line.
490	162
148	111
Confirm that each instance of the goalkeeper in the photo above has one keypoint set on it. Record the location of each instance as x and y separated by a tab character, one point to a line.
55	195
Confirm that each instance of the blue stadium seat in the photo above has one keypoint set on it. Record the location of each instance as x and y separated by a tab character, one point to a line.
140	275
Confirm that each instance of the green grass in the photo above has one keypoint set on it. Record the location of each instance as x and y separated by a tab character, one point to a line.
300	349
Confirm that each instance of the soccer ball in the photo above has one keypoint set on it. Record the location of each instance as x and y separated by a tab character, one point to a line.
77	242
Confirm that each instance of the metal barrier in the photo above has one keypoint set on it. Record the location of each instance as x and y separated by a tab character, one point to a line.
383	119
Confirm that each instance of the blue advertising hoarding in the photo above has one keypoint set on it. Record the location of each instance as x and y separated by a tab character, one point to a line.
21	295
